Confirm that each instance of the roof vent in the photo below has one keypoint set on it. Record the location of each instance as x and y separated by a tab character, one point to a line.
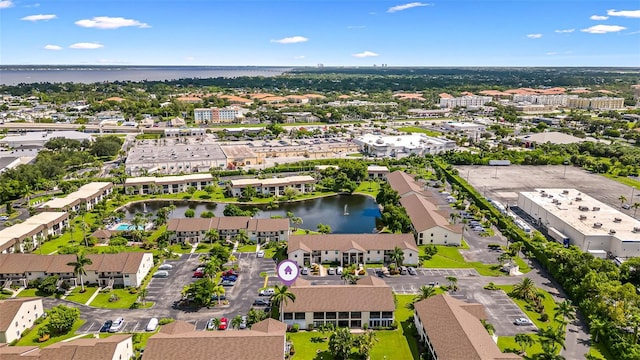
565	191
612	231
636	229
543	194
578	198
583	217
617	220
583	208
597	225
595	208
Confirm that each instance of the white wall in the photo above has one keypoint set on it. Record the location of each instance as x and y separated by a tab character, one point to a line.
23	320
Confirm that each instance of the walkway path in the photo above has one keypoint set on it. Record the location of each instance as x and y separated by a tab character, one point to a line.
92	297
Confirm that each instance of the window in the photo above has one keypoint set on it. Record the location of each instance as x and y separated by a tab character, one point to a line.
374	314
356	315
299	316
343	315
356	323
288	316
326	252
343	323
387	315
318	315
330	315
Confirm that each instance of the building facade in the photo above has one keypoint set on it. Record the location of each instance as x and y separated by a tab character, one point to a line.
167	185
16	316
402	145
273	186
115	347
194	230
86	197
597	103
216	115
464	101
429	224
27	235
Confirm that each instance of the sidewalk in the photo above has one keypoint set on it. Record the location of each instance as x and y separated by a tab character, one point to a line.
93	297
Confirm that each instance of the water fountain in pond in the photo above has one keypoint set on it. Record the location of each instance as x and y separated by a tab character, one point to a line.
346	211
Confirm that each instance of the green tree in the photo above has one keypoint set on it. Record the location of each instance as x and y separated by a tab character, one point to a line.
212	235
282	295
387	195
189	213
597	327
255	316
324	229
236	321
525	341
290	192
397	256
61	319
296	221
249	193
340	343
79	267
219	252
365	342
242	236
622	200
453	281
142	293
218	291
525	290
565	310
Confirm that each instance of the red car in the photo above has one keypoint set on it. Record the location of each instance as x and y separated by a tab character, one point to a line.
198	274
223	324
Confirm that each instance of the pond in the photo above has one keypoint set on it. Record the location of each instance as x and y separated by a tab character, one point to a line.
346	214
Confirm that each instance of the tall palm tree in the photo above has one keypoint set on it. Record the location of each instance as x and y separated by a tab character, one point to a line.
565	310
453	281
297	221
597	327
281	297
143	295
218	290
397	256
622	199
454	216
78	267
425	292
364	343
212	235
635	207
242	236
526	289
553	336
236	321
525	341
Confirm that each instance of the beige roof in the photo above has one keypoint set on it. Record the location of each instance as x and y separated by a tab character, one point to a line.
177	327
265	340
143	180
237	151
268	225
370	295
227	223
84	193
9	308
403	183
101	234
79	349
344	242
425	215
455	331
30	227
291	180
377	168
127	263
553	137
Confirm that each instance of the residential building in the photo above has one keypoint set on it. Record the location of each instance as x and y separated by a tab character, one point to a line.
184	132
216	115
377	172
587	223
37	139
265	340
600	103
451	330
193	230
27	235
86	197
345	249
399	146
115	347
464	101
166	185
119	270
429	224
16	316
174	158
404	184
273	186
370	302
535	99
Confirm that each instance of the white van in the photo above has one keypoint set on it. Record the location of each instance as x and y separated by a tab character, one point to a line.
152	325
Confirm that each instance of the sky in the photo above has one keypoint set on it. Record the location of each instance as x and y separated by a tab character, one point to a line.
328	32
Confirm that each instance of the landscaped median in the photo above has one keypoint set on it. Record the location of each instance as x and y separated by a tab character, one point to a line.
119	299
449	257
400	343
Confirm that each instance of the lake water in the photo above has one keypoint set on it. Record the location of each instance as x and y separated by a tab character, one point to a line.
14	75
362	212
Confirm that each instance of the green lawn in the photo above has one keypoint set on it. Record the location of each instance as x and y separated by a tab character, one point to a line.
548	303
32	338
624	180
416	129
247	248
509	343
81	298
524	267
449	257
392	344
599	351
32	292
125	302
369	188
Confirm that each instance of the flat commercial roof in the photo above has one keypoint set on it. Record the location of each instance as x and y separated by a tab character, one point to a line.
574	204
176	152
238	151
412	141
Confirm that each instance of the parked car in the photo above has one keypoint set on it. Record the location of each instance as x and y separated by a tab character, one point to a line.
403	270
304	271
260	254
198	274
223	324
198	268
230	277
161	274
214	297
522	322
412	271
379	273
227	283
152	325
626	206
331	271
165	267
211	324
106	326
117	325
267	292
261	302
4	218
229	272
339	270
243	322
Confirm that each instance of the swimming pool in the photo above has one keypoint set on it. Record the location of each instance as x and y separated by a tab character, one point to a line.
125	227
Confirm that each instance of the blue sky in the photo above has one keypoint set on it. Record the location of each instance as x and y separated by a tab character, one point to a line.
331	32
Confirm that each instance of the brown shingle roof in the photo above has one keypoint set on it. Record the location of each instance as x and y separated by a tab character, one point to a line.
264	225
79	349
19	263
9	308
365	296
344	242
177	327
266	340
455	331
403	183
425	215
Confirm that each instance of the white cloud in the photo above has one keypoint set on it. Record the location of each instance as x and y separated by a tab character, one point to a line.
551	53
534	36
365	54
189	58
598	17
299	57
406	6
6	4
33	5
106	22
52	47
291	40
624	13
39	17
603	29
86	45
565	31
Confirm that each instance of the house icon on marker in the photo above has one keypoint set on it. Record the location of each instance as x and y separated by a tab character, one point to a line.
287	270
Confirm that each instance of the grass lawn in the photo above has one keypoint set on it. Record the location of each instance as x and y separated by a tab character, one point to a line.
81	298
509	342
32	338
449	257
305	232
392	344
30	293
548	303
524	268
415	129
125	302
369	188
624	180
247	248
599	351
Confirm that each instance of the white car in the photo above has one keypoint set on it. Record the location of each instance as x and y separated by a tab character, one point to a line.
161	274
522	322
117	325
243	323
331	271
165	267
304	271
267	292
4	218
339	270
260	254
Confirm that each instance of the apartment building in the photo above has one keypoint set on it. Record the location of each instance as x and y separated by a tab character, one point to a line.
429	224
194	230
16	316
86	197
115	347
166	185
555	100
27	235
216	115
596	103
464	101
273	186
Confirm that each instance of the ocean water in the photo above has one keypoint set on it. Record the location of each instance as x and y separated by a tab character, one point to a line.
14	75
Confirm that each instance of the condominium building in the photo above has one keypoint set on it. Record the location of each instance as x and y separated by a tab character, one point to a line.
216	115
28	234
464	101
557	100
273	186
400	146
115	347
86	197
599	103
194	230
17	316
167	184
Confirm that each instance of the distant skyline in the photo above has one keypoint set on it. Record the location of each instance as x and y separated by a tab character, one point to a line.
329	32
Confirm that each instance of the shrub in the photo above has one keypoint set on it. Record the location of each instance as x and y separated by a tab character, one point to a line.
544	317
6	292
491	286
310	327
118	241
294	328
204	196
114	298
394	325
165	321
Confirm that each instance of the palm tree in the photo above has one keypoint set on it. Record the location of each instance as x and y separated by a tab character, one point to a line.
27	245
425	292
242	236
349	274
453	281
397	256
236	321
218	290
281	297
525	341
553	336
454	216
526	289
297	221
597	327
622	199
565	310
78	267
505	257
212	235
143	295
364	343
635	207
